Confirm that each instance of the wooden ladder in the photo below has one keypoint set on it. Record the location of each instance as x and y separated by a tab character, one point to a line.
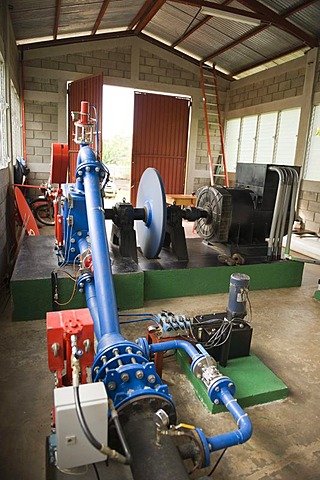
212	116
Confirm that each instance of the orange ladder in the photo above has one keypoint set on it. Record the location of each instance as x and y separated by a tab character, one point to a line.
212	116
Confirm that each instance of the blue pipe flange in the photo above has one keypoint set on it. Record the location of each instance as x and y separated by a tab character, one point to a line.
83	279
142	343
206	447
127	374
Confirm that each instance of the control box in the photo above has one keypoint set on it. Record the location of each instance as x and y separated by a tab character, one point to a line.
73	448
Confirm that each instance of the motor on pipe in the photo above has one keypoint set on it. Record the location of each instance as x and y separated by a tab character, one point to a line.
122	371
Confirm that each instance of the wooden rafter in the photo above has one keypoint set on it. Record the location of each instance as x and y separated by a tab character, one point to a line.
103	9
149	15
56	19
196	27
143	10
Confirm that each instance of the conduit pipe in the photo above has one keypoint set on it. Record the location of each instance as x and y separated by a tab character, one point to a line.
292	208
288	189
276	210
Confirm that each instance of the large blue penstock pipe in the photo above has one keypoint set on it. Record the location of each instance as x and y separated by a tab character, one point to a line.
234	437
104	288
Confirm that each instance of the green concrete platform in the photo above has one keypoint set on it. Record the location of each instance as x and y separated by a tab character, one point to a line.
160	278
255	382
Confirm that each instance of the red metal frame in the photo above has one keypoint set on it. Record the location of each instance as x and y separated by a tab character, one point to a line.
60	326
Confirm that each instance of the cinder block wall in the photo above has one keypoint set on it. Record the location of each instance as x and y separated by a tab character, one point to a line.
279	88
124	62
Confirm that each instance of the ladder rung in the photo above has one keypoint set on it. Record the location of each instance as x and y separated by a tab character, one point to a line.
211	94
212	113
213	123
209	84
212	104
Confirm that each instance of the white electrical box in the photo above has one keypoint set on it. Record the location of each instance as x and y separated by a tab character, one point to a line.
73	448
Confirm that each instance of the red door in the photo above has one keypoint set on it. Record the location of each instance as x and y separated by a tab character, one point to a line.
160	139
90	90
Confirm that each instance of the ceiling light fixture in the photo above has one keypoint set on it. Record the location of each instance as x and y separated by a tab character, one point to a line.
230	16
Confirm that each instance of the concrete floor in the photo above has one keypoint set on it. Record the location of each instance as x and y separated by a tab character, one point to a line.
286	441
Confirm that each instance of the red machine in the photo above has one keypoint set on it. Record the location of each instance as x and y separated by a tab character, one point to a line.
61	326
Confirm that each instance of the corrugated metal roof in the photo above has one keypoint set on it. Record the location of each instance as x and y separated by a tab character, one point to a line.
239	58
23	14
172	22
271	41
306	19
120	13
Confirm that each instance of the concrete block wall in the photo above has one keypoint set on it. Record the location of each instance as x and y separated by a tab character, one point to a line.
274	88
156	69
309	205
113	63
130	62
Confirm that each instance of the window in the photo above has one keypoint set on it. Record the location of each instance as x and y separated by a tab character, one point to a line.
15	123
232	140
265	138
247	139
287	136
312	165
4	159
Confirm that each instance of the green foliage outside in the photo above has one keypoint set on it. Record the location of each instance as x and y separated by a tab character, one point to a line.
117	150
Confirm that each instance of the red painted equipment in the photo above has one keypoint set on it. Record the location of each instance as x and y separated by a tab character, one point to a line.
59	162
26	215
60	327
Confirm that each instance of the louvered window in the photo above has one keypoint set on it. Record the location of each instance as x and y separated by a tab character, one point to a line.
265	138
4	159
312	166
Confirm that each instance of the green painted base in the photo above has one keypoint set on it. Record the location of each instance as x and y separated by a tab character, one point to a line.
208	280
255	383
317	295
134	284
32	298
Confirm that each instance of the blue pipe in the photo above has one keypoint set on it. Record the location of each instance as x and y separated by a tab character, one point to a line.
234	437
105	294
91	298
176	345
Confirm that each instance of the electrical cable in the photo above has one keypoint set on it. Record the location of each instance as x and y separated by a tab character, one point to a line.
94	442
96	471
217	462
122	438
91	438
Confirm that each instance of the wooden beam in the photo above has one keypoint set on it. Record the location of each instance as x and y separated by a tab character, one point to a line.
56	19
196	27
149	15
103	9
145	7
72	40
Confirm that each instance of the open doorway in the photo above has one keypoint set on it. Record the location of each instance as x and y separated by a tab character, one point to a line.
117	140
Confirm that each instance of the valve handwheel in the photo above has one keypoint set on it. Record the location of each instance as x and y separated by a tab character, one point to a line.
152	197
